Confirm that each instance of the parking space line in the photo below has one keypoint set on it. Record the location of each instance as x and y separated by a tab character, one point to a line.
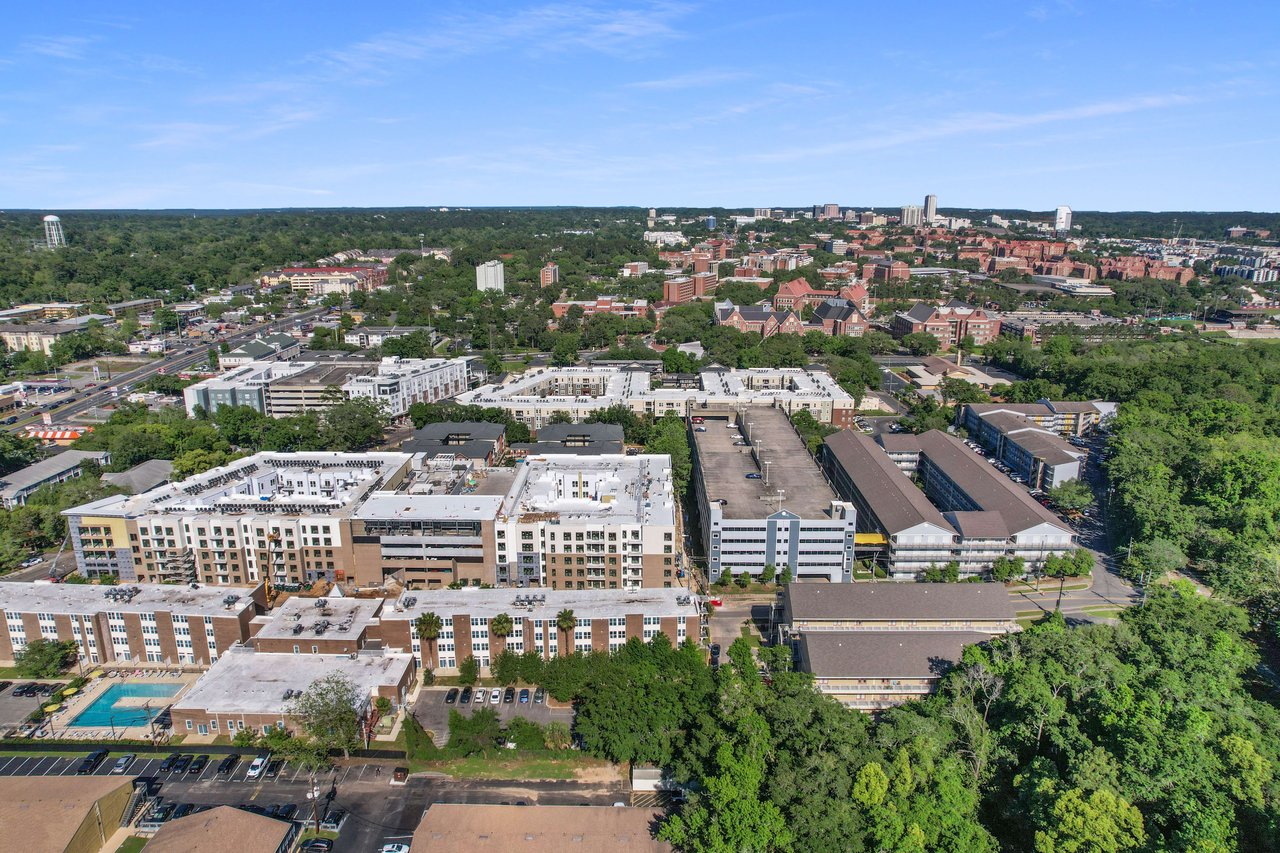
72	763
3	767
295	774
42	768
26	765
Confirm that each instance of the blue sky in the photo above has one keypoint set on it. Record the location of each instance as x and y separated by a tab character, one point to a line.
1115	105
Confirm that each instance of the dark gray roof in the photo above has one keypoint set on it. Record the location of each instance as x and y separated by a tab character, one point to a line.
142	477
898	442
921	312
884	654
979	525
471	430
889	493
15	483
986	487
560	433
835	309
898	600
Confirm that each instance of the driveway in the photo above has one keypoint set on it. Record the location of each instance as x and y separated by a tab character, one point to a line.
14	710
726	621
433	713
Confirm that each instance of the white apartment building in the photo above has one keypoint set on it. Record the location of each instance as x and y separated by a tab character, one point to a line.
489	276
912	216
401	382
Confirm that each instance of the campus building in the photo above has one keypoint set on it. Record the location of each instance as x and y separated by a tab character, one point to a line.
144	622
871	646
321	281
967	512
535	396
604	621
950	323
1038	453
762	500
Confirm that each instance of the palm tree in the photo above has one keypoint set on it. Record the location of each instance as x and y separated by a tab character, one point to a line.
501	626
428	626
566	622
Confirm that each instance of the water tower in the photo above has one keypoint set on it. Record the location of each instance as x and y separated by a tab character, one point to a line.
53	236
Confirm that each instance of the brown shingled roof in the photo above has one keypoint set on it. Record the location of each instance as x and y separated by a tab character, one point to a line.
885	654
897	600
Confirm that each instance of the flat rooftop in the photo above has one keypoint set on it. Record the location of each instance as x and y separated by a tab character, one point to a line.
86	599
885	654
899	601
545	829
725	467
244	681
542	603
329	618
594	489
325	375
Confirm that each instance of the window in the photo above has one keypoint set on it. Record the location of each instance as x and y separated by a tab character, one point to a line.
315	650
188	725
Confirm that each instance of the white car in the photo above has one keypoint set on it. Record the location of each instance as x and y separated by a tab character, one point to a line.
258	767
395	848
495	696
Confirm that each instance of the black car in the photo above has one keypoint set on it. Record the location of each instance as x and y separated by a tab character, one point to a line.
509	696
183	762
5	685
273	769
23	690
47	689
228	764
250	807
465	698
317	845
169	762
182	810
91	761
451	697
198	764
287	811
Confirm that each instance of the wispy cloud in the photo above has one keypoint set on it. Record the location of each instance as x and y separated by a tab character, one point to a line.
184	134
692	80
964	124
58	47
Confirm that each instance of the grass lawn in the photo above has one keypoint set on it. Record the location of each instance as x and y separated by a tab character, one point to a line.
10	673
750	636
733	589
132	845
562	767
42	753
309	834
1104	610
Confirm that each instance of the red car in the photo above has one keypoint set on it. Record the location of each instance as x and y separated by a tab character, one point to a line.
715	602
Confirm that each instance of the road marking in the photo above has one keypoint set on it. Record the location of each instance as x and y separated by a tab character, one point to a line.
4	767
71	765
22	768
295	774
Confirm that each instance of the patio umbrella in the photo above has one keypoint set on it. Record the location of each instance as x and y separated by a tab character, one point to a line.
70	691
49	709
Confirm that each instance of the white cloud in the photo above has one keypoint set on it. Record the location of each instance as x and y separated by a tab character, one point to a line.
58	47
692	80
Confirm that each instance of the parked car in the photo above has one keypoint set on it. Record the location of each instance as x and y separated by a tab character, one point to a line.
400	776
198	764
228	764
317	845
90	762
481	696
170	760
181	763
333	821
495	696
122	764
395	847
739	444
258	767
699	429
287	811
273	769
465	697
451	697
183	810
753	476
539	696
5	685
524	696
508	696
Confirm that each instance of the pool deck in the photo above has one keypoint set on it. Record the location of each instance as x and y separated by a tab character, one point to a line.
62	721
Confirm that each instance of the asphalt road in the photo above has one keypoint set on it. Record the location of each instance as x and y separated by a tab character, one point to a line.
377	812
171	363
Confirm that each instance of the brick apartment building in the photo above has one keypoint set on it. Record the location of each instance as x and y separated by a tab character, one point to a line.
112	624
549	275
758	319
320	281
603	305
949	323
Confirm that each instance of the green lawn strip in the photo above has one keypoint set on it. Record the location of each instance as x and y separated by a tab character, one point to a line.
132	845
309	834
514	768
42	753
1103	610
750	636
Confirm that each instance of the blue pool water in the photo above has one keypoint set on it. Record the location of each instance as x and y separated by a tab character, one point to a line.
103	713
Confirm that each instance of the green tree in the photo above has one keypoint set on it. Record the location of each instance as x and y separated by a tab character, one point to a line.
468	670
329	712
566	622
768	574
505	667
1008	568
44	658
428	627
1099	821
501	627
1071	495
1153	560
920	343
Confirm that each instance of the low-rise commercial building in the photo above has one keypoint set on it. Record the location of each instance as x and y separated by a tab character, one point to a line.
17	486
143	622
367	337
249	690
134	306
222	829
603	621
535	396
762	501
61	814
277	347
449	827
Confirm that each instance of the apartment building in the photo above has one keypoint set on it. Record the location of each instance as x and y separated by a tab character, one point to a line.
589	522
949	323
35	336
17	486
134	306
681	289
479	442
763	501
549	275
490	277
1036	452
367	337
279	347
321	281
251	690
536	395
603	622
967	512
280	389
41	311
872	646
1064	417
143	622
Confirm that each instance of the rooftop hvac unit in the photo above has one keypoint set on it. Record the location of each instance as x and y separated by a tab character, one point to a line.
322	602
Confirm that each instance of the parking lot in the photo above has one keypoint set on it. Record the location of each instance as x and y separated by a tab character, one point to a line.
433	713
376	811
15	709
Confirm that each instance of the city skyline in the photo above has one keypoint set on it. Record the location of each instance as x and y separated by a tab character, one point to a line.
641	103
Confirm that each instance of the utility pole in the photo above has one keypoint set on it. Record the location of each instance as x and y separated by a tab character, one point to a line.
314	796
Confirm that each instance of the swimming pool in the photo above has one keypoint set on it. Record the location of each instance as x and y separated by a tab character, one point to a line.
105	711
